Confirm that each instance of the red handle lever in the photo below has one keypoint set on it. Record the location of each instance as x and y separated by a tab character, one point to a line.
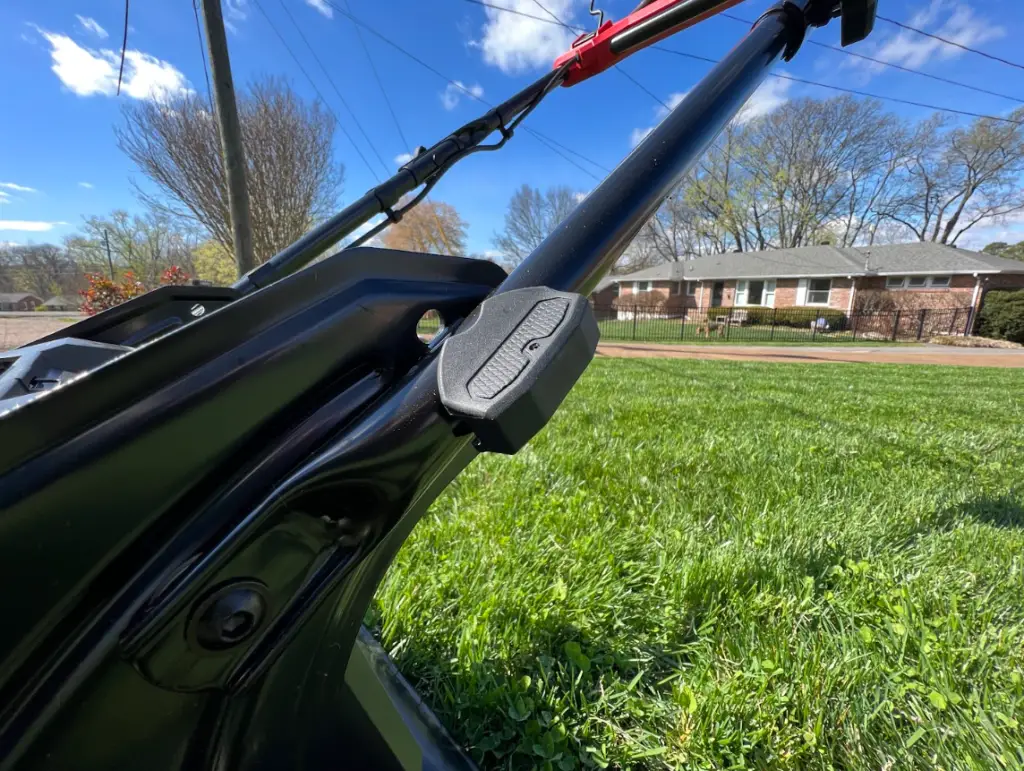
594	52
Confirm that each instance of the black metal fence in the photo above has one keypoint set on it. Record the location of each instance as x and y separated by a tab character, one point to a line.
776	325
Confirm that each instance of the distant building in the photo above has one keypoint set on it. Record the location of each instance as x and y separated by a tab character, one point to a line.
906	276
62	303
18	301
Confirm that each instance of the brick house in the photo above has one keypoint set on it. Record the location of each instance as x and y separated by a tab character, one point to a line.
18	301
891	277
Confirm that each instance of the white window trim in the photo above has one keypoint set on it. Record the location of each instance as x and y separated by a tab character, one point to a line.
828	300
691	288
929	282
638	290
768	290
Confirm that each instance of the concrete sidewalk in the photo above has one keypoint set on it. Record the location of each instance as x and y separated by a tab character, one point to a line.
806	354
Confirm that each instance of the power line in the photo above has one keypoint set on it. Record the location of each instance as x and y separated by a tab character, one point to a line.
953	43
894	66
405	142
387	169
709	60
124	48
202	49
318	93
543	138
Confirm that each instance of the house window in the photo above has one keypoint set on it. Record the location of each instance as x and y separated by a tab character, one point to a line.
691	288
818	291
894	282
616	289
917	282
641	286
755	293
673	288
939	282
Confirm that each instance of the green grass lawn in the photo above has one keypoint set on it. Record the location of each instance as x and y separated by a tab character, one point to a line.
706	564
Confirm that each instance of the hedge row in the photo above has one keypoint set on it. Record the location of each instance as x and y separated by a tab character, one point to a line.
1002	315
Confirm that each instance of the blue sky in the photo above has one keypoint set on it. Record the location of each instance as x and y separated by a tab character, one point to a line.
59	161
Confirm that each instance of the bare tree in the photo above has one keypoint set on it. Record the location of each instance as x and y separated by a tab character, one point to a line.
530	218
431	226
147	245
963	176
42	269
293	178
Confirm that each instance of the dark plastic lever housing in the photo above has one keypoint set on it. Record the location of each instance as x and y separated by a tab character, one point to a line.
513	361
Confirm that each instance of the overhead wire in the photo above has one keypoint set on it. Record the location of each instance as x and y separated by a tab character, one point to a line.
202	50
334	85
315	88
359	34
781	76
124	48
949	42
543	138
892	65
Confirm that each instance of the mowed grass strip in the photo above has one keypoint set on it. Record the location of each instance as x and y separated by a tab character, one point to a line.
709	564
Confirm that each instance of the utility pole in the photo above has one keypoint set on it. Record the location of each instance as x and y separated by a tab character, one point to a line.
110	261
230	135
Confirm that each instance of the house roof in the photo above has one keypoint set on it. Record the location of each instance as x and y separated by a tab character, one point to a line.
15	297
826	261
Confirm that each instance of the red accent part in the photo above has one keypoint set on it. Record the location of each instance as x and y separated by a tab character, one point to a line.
592	50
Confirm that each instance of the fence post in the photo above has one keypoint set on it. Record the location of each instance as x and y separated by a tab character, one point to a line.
728	324
855	317
814	329
774	312
920	323
682	324
635	312
952	321
896	325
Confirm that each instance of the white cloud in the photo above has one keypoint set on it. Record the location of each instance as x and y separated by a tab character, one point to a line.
909	49
639	134
86	185
579	197
455	90
33	226
770	95
87	72
4	198
17	188
91	25
235	12
321	7
515	43
402	158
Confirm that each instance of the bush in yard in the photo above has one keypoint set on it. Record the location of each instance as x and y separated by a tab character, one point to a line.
103	293
642	301
794	317
174	276
1002	315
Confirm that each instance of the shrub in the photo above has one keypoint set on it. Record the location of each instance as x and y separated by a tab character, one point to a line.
643	301
103	293
794	317
1002	315
174	276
